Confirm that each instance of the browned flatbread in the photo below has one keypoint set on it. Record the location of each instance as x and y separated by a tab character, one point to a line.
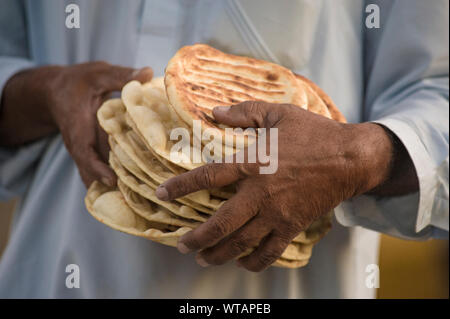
199	78
125	211
332	108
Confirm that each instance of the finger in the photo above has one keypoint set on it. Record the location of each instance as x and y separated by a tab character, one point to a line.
114	77
88	178
249	114
229	217
103	147
84	152
204	177
266	254
85	177
248	236
92	168
98	169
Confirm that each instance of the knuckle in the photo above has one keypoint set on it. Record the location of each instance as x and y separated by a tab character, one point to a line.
237	246
268	257
216	260
98	75
290	230
251	107
266	190
252	111
269	192
272	118
88	152
205	177
86	157
243	170
76	149
192	242
219	228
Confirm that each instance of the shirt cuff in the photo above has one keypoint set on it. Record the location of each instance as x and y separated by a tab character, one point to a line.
402	216
423	163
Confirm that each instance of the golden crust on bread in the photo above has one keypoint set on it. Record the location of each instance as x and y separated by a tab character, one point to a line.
332	108
199	78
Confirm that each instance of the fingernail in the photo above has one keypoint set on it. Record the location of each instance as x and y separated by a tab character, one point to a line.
143	74
182	248
161	193
201	261
135	73
106	181
221	109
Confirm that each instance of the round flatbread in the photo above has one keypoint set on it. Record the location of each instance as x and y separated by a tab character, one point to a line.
109	207
199	78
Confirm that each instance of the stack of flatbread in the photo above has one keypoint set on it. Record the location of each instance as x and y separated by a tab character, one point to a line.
140	124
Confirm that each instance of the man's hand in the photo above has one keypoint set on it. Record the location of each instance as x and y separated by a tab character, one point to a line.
41	101
321	163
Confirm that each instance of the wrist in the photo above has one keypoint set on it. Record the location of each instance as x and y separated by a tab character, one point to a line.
25	106
372	156
37	88
48	89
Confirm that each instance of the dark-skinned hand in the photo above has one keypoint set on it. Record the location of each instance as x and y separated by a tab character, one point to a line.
40	101
321	163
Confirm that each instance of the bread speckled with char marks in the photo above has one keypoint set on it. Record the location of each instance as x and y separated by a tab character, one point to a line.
199	78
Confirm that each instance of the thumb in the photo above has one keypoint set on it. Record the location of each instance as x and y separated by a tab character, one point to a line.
142	75
249	114
117	76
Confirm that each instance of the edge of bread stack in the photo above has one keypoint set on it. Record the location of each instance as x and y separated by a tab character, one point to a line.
139	124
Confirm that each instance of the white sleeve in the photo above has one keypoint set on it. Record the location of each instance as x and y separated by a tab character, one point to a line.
16	164
407	90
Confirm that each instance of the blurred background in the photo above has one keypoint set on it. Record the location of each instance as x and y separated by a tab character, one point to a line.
408	269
